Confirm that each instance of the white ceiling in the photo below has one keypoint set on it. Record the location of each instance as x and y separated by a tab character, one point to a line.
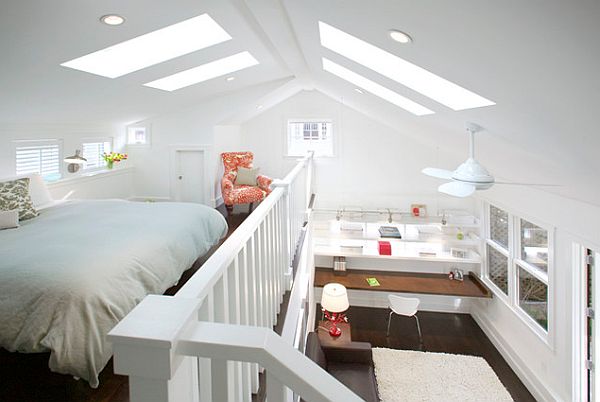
538	60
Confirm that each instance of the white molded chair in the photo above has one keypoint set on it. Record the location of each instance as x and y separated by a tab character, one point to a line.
406	306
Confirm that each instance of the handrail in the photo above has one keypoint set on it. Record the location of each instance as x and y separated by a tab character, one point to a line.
225	254
240	286
263	346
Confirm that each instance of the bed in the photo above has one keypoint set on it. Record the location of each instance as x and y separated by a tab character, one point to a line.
70	274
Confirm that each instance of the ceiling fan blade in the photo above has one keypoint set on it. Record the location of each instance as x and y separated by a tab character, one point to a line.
457	189
439	173
529	184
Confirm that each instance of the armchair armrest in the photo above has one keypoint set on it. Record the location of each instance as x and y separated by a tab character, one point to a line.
355	352
264	183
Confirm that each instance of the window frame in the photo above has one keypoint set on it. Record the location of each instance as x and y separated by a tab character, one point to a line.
147	128
91	140
514	262
40	142
330	134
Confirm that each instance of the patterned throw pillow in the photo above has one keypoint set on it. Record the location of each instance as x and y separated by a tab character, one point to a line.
15	195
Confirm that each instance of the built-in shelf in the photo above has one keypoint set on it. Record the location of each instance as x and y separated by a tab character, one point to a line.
400	250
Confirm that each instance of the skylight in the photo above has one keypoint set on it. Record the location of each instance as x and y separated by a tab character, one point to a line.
399	70
375	88
204	72
152	48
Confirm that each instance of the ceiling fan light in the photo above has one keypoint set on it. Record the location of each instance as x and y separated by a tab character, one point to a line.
457	189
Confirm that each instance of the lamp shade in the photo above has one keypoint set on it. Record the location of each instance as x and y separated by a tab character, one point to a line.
77	158
334	298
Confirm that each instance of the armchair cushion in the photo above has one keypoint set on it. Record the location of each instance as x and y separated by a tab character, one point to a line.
247	176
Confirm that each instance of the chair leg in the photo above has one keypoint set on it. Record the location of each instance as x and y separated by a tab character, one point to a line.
389	323
250	208
229	209
419	329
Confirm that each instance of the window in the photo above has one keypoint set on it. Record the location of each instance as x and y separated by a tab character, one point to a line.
498	268
138	135
517	264
92	151
41	157
306	135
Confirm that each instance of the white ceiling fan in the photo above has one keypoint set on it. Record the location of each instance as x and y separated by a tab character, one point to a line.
470	175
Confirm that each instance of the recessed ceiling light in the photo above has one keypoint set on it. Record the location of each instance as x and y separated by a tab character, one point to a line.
400	70
230	78
205	72
152	48
259	107
400	36
375	88
112	19
360	91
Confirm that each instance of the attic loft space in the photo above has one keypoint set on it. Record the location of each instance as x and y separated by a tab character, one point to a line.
394	190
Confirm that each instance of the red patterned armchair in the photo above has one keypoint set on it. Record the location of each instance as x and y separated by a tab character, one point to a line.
241	194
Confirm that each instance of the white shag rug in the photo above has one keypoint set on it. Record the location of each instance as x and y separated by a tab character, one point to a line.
412	376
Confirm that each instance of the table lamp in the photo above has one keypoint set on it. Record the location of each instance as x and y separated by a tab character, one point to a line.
334	302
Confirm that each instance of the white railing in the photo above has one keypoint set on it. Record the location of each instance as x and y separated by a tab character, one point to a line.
171	347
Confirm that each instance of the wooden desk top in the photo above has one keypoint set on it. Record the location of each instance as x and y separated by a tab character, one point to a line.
328	340
405	282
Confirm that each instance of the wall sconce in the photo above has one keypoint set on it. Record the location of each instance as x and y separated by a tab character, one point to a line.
75	161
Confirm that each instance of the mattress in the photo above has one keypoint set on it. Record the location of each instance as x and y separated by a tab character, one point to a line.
69	275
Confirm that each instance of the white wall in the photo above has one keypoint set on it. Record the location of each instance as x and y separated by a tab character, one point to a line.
546	369
193	126
374	165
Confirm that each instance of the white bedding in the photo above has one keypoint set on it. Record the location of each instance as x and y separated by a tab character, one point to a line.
68	276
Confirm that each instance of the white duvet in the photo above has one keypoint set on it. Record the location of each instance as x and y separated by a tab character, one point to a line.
68	276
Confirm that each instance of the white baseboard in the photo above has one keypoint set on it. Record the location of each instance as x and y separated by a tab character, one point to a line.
217	201
533	384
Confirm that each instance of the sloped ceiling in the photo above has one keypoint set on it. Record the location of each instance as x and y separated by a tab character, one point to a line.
538	60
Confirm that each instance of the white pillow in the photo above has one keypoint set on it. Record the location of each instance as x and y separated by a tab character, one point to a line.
9	219
38	191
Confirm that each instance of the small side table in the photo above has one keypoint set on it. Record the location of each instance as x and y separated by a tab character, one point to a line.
328	340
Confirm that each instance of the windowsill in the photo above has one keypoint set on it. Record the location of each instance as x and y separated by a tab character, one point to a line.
90	176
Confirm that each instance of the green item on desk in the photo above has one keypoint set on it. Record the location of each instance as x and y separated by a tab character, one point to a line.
373	282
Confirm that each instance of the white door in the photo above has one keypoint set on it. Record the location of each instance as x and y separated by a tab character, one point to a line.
189	176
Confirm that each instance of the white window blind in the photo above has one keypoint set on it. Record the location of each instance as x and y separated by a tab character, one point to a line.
41	157
93	150
310	135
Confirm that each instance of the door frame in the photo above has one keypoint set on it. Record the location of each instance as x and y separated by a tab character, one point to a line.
173	158
579	325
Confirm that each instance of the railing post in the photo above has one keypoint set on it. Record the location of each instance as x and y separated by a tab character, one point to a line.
286	241
143	345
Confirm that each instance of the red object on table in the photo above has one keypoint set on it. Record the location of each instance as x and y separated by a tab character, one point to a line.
385	248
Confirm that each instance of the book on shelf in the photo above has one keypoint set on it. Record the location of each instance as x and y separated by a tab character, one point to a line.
389	231
373	282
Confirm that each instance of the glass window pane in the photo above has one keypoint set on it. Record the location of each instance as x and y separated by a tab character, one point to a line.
497	268
534	245
499	226
533	297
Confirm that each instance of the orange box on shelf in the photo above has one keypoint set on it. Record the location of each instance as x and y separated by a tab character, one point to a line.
385	248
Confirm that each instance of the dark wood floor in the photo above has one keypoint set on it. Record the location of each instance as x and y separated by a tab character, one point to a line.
442	332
